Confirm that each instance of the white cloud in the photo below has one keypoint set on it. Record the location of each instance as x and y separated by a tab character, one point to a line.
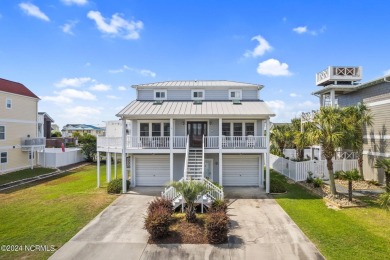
117	26
147	73
115	71
300	29
59	100
387	72
73	82
276	104
122	88
82	112
68	27
112	97
142	72
76	2
294	95
260	49
287	111
73	93
100	87
33	10
304	29
273	67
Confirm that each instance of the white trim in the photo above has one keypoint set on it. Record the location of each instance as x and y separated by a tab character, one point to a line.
197	98
211	168
6	158
376	154
7	120
160	90
378	103
235	90
8	170
5	133
377	137
150	126
243	126
6	103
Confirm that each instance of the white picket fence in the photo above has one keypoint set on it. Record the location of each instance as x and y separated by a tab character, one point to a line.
297	171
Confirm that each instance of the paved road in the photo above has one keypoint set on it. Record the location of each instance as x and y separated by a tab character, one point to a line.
260	230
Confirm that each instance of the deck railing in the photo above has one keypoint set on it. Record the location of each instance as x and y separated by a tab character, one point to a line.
243	142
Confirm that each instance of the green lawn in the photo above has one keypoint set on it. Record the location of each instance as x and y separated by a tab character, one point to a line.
50	212
24	174
356	233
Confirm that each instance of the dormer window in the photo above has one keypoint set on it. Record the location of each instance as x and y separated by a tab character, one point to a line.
160	95
235	94
197	94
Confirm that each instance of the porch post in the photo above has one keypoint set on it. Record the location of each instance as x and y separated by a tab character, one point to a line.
98	169
261	170
171	149
115	164
220	151
108	166
132	167
267	162
124	170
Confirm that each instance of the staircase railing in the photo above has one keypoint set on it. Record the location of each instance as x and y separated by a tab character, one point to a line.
186	158
170	192
214	192
203	157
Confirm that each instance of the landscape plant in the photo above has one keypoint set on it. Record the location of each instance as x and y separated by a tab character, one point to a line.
309	178
219	205
88	146
160	202
350	176
115	186
384	199
157	222
318	182
217	227
385	165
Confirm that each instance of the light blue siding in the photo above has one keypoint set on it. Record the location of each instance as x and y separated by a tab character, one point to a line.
145	94
213	127
180	129
260	127
176	94
215	158
249	94
178	166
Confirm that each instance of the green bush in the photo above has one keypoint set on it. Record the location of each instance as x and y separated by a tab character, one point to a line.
217	227
115	186
337	174
157	222
277	186
318	182
373	182
160	202
219	205
309	178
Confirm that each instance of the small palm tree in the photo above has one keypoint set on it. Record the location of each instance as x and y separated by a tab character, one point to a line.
350	176
384	200
190	190
385	165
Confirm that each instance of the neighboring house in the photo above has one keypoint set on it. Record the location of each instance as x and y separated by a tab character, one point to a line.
69	129
19	139
193	130
114	128
55	128
340	88
44	125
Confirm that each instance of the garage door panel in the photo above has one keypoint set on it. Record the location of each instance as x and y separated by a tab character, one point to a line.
152	170
240	170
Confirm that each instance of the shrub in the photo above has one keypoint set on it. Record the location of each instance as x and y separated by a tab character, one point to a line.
318	182
373	182
277	186
309	178
337	174
115	186
160	202
217	227
157	222
219	205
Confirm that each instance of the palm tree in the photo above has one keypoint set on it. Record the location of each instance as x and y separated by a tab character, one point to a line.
327	129
385	165
190	190
280	137
357	117
300	140
350	176
384	200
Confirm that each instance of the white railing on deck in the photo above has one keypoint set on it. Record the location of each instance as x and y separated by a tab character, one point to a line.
170	192
243	142
179	142
213	191
186	157
211	141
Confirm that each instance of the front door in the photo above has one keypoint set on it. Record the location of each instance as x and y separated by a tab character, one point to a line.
208	169
196	130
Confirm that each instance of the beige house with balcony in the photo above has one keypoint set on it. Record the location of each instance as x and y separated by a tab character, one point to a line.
18	127
217	131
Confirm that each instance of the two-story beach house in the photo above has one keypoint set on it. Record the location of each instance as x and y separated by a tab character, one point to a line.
19	139
214	130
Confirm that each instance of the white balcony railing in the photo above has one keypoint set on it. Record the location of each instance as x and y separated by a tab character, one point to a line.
179	142
341	73
32	142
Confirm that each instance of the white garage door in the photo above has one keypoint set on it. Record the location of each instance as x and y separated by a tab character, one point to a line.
240	170
151	170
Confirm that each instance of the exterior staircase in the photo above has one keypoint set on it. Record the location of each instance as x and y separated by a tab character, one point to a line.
195	164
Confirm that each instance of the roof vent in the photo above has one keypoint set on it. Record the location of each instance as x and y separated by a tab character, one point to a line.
158	102
236	102
197	102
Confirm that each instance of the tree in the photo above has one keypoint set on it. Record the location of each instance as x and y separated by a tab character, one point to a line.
327	129
300	140
384	199
76	134
357	117
385	165
190	190
88	146
281	137
350	176
56	134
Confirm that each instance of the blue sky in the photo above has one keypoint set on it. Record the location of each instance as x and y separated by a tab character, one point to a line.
81	56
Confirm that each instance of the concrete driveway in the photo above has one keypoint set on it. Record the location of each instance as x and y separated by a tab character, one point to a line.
260	229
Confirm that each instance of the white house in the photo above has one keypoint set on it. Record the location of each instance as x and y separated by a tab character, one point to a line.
210	130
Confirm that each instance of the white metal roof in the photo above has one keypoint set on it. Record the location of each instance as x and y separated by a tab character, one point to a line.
187	109
198	83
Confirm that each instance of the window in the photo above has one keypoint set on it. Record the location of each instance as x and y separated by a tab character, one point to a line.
30	155
237	129
166	129
249	129
156	129
226	129
8	103
2	132
235	94
144	129
197	94
3	157
160	94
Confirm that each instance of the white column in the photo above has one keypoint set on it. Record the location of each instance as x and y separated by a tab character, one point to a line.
44	157
132	167
220	151
171	149
115	164
267	162
124	170
332	98
261	170
98	169
108	166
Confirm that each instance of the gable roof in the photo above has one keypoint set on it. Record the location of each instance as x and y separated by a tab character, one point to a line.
198	83
46	115
15	88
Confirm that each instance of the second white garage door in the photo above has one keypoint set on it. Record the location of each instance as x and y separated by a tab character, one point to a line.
151	170
240	170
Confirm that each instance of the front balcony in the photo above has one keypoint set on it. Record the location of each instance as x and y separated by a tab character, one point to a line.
179	142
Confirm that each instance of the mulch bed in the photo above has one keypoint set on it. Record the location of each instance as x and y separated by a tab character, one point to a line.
182	232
